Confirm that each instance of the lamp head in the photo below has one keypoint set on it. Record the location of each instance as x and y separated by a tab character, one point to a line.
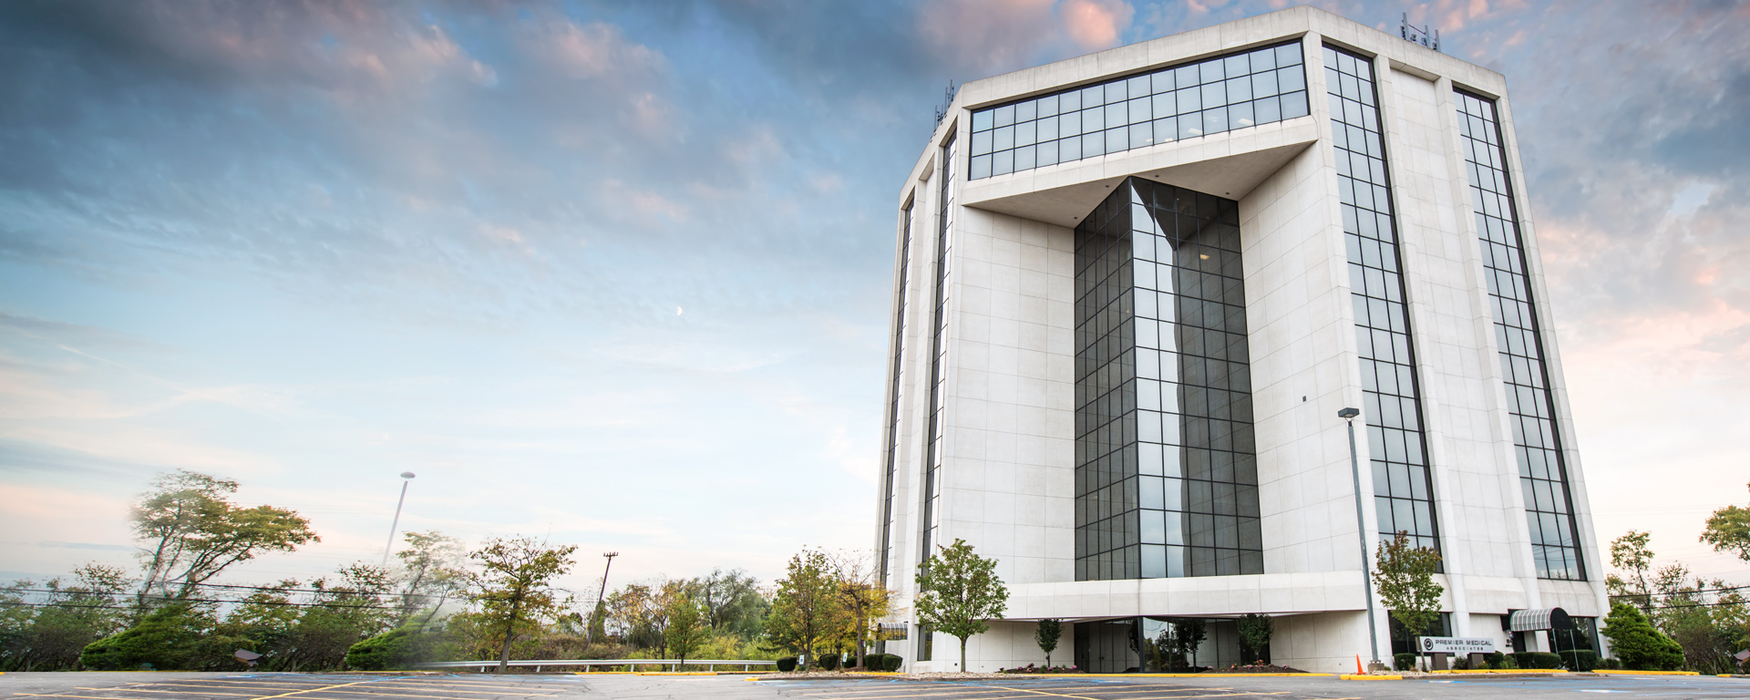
1348	413
406	475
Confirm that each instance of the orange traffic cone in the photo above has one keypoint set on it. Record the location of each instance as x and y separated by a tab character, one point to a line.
1358	670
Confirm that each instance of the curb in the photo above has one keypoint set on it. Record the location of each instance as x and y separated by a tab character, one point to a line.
1353	677
1504	671
1617	672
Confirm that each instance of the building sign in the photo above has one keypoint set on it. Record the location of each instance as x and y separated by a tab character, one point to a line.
1457	645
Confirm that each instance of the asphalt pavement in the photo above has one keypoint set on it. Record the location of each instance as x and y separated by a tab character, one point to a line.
300	686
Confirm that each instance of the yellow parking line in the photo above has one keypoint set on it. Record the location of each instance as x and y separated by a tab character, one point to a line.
177	692
313	690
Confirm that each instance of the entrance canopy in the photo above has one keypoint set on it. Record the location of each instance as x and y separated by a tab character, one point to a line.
1545	619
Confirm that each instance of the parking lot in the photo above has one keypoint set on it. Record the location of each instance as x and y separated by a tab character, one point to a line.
273	686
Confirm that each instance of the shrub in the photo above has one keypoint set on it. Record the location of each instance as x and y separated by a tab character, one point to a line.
827	662
1537	659
395	649
1580	660
1403	662
1499	660
787	664
892	662
1637	645
164	640
1460	663
872	662
1610	664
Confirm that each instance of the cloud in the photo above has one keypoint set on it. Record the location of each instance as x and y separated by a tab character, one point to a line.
986	36
1096	24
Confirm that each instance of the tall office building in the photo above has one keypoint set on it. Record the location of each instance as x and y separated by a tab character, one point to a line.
1134	289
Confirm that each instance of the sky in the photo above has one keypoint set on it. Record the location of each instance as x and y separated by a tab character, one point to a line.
618	274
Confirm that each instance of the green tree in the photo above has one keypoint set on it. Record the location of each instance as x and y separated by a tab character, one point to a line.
514	588
1405	578
1255	632
1635	643
732	601
189	532
807	611
688	628
958	591
1046	636
431	572
1629	554
1728	529
51	635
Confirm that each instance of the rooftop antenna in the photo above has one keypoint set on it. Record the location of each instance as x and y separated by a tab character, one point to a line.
947	101
1418	35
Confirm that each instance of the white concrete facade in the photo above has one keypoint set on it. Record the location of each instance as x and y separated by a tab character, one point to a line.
1008	414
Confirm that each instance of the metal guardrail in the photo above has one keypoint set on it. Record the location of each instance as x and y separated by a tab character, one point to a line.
674	664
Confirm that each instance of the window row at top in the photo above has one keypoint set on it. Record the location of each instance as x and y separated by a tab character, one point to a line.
1210	96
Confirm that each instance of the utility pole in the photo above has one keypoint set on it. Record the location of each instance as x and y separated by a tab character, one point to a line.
604	592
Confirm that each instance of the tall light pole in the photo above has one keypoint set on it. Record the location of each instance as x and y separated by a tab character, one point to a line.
405	478
1349	414
599	597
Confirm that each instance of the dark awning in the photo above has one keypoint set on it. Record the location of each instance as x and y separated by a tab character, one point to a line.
1545	619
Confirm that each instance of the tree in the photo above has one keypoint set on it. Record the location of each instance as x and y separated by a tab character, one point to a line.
1728	529
864	599
515	586
431	568
1405	578
807	610
1636	644
1046	636
687	628
732	601
958	591
1629	553
189	532
1255	632
51	636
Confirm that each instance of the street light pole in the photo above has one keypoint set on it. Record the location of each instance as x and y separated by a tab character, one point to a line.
1349	414
396	523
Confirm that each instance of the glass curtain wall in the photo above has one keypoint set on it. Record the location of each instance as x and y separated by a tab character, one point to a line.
1166	467
938	345
1543	472
907	217
1403	497
1211	96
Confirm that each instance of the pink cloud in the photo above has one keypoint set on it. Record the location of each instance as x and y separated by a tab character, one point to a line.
1096	24
986	35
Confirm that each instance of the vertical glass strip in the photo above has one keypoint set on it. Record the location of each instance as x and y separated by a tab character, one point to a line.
939	346
1403	494
893	439
1543	471
1166	467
